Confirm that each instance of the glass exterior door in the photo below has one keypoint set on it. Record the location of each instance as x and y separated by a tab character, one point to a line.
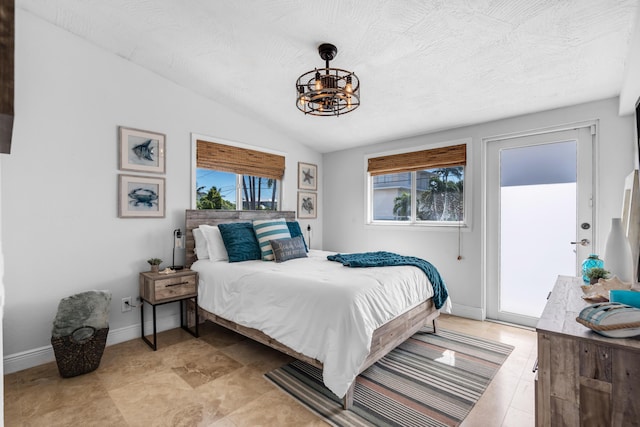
539	194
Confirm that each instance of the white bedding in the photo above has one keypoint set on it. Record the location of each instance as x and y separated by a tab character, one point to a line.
314	306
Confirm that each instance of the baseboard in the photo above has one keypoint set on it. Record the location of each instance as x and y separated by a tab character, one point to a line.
39	356
475	313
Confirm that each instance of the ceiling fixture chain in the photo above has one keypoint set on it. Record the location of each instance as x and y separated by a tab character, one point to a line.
327	91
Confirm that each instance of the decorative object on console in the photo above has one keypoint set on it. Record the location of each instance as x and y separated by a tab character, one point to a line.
307	205
625	296
177	243
307	176
599	292
155	264
594	274
631	216
591	262
611	319
140	197
141	150
617	255
327	91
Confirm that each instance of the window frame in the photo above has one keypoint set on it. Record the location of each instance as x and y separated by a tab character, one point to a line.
412	222
194	167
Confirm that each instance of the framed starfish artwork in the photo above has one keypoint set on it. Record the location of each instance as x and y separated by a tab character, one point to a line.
307	176
141	150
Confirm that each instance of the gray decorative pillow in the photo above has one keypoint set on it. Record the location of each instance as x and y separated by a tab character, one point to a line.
286	249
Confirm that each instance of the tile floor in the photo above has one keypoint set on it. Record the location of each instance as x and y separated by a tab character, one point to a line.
218	381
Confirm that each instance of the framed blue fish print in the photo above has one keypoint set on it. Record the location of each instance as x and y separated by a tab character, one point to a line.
307	176
140	197
141	150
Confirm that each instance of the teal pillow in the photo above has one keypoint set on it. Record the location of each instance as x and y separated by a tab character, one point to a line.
295	231
269	229
286	249
240	241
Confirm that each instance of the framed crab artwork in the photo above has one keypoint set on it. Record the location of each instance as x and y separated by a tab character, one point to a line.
140	197
141	150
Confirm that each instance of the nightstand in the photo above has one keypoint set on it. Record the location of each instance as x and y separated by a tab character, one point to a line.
158	289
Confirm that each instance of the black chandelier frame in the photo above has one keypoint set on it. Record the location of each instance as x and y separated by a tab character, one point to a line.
327	91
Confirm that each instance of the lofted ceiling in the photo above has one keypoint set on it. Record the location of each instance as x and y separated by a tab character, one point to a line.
423	65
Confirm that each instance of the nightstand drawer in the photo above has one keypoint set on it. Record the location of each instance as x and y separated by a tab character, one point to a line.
159	288
173	287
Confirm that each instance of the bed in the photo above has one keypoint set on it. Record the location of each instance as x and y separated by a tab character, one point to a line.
343	350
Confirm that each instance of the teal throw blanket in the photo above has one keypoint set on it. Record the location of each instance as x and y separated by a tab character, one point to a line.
385	259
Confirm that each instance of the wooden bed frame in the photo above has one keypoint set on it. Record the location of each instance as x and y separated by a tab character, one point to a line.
385	338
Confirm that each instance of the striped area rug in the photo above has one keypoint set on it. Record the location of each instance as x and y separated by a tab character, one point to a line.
429	380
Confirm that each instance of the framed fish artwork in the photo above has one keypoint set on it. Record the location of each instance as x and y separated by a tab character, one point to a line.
141	196
141	150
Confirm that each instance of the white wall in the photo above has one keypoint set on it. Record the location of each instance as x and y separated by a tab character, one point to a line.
344	198
60	231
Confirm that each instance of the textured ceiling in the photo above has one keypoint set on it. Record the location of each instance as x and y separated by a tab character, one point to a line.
423	65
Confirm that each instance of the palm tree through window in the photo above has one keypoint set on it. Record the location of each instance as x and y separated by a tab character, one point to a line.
429	195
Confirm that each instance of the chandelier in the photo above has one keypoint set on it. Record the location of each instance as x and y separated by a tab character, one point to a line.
327	91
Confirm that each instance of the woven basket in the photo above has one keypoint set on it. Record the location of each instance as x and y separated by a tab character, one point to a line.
80	352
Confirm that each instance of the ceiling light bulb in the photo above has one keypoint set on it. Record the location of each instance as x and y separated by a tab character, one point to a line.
318	84
348	88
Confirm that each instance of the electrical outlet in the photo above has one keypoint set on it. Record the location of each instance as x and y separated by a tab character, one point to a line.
126	304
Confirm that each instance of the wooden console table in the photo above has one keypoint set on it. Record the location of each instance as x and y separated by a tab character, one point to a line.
583	379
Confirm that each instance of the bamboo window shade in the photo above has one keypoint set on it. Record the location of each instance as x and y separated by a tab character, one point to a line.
443	157
242	161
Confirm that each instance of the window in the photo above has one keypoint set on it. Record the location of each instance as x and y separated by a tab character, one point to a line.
227	174
424	187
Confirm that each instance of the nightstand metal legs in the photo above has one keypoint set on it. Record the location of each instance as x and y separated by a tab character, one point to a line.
184	321
184	317
155	335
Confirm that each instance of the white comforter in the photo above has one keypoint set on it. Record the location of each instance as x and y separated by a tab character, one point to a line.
314	306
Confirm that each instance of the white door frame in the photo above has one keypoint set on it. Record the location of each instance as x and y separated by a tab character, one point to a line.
594	126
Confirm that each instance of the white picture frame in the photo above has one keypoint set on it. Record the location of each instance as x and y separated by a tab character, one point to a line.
307	205
141	196
141	150
307	176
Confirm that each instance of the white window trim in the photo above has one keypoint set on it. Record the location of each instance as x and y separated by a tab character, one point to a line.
430	225
194	150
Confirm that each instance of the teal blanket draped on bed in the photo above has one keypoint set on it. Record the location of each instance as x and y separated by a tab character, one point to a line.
385	259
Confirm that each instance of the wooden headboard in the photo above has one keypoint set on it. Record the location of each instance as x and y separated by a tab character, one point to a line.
194	218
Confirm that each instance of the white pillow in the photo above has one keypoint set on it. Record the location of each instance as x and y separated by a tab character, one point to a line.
201	250
215	244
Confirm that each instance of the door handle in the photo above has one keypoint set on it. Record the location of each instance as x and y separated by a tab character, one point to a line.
583	242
